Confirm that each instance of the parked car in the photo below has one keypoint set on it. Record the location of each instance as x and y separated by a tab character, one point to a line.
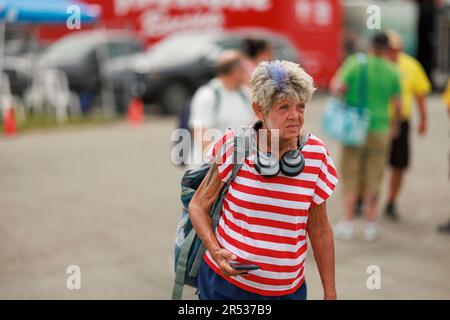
169	72
82	55
19	72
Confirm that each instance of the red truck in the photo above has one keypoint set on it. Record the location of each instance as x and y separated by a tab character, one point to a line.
315	27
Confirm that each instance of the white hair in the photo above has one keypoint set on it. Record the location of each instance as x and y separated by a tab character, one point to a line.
279	80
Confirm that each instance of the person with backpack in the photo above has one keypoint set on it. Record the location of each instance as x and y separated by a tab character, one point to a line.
273	193
222	103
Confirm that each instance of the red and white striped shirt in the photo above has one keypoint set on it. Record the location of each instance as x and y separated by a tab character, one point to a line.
263	220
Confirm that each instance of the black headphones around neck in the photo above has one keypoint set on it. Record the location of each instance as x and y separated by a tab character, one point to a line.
291	164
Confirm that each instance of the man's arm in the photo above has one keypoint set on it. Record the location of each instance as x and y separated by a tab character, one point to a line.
421	105
321	237
396	100
395	122
339	83
337	87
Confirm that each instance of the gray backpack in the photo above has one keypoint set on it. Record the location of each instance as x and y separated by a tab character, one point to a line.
189	249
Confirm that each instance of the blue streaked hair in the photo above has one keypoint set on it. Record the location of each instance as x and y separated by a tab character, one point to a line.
274	80
278	75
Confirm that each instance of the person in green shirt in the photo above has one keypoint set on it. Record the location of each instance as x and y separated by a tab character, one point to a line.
365	165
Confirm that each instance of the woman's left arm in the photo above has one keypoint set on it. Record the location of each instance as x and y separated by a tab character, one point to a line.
321	237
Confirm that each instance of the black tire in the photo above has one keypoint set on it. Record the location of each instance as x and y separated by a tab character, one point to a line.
124	93
121	103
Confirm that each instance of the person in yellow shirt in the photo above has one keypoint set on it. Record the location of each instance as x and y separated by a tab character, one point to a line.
415	87
445	228
446	97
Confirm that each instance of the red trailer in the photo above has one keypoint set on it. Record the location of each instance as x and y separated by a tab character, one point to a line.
314	26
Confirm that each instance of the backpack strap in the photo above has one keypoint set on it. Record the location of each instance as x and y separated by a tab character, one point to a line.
180	273
217	102
363	82
217	98
180	270
236	167
218	208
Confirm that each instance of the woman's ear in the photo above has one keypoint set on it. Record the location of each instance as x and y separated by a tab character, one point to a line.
258	111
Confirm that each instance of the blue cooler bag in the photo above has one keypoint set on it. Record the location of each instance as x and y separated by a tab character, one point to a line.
348	124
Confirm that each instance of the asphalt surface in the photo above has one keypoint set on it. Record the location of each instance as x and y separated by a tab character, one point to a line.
106	198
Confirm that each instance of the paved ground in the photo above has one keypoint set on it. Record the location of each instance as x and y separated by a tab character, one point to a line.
106	198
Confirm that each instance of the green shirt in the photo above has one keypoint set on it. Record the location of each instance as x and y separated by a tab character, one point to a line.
383	84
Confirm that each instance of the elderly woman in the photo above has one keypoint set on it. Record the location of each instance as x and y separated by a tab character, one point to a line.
267	214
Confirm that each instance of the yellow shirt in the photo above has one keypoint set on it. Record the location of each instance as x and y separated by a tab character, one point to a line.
414	82
446	95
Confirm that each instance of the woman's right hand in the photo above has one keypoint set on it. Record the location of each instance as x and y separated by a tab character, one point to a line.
222	258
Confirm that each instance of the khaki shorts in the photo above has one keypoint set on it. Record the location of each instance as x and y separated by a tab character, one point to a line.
364	166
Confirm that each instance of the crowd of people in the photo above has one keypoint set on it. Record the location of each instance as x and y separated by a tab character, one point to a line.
278	195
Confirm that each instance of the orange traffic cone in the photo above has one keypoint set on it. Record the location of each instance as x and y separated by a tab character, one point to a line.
135	111
9	122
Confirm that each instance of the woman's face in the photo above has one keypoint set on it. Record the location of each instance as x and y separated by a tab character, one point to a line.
285	115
